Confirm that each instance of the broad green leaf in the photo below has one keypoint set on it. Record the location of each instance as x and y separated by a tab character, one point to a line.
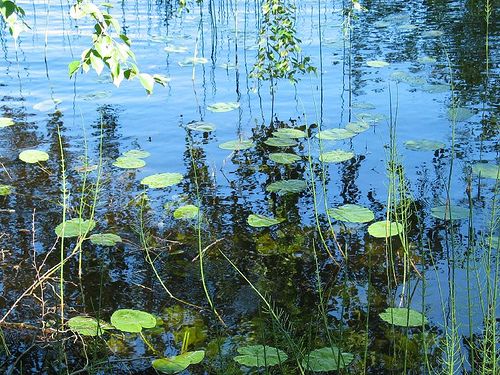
287	186
128	320
188	211
191	61
357	126
284	158
289	133
5	121
335	134
383	229
75	227
377	63
261	221
33	156
147	81
5	190
423	145
280	142
326	359
126	162
260	356
47	105
87	326
139	154
178	363
450	212
486	170
352	213
223	106
162	180
239	144
460	114
336	156
201	126
403	317
105	239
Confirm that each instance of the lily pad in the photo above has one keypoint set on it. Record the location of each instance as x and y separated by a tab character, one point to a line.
363	105
280	142
5	190
284	158
6	121
427	60
352	213
371	118
260	356
128	320
326	359
383	229
486	170
403	317
126	162
46	105
175	49
460	114
261	221
75	227
87	326
335	134
236	145
201	126
223	106
357	126
178	363
188	211
289	133
191	61
139	154
287	186
86	168
162	180
424	145
33	156
377	63
450	212
336	156
105	239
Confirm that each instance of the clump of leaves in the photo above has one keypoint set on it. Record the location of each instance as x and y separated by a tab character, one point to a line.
13	16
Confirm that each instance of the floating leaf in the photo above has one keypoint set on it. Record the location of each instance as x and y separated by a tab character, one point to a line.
237	145
460	114
326	359
427	60
223	106
191	61
201	126
162	180
363	105
261	221
126	162
5	121
260	356
486	170
5	190
450	212
87	326
138	154
403	317
336	156
377	63
188	211
357	127
105	239
383	229
287	186
335	134
178	363
284	158
96	95
352	213
33	156
85	168
424	145
437	88
371	118
76	227
128	320
175	49
46	105
289	133
280	142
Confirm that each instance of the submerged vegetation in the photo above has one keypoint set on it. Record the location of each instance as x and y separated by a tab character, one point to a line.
193	230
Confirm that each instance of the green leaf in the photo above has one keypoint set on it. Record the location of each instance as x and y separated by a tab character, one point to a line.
178	363
486	170
352	213
75	227
261	221
357	126
326	359
147	81
371	118
201	126
188	211
128	320
5	121
239	144
46	105
191	61
450	212
383	229
284	158
377	63
287	186
424	145
105	239
403	317
336	156
162	180
260	356
139	154
223	106
280	142
289	133
87	326
33	156
5	190
126	162
335	134
460	114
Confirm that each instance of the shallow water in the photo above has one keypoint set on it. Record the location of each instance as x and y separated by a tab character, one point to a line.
422	42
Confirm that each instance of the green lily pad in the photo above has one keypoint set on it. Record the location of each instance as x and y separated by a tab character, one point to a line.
424	145
201	126
450	212
5	190
188	211
128	320
5	121
284	158
175	49
178	363
75	227
486	170
287	186
336	156
383	229
280	142
87	326
223	106
289	133
139	154
261	221
357	126
105	239
162	180
191	61
335	134
260	356
126	162
377	63
363	105
371	118
460	114
326	359
33	156
403	317
47	105
236	145
352	213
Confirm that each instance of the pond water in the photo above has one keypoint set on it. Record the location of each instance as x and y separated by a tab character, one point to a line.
394	73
